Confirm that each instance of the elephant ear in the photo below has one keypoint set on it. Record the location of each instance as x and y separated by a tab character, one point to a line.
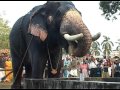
37	27
38	31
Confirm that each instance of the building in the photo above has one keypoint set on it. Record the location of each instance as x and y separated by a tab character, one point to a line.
115	53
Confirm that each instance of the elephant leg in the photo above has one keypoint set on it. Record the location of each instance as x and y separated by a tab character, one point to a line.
17	64
55	56
28	70
38	66
37	55
17	73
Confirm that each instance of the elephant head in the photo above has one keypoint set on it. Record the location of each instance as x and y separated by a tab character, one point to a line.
67	19
73	29
41	33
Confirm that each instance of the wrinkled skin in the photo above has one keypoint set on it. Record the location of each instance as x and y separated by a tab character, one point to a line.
39	36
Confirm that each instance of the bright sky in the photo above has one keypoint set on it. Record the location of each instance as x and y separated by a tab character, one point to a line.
91	15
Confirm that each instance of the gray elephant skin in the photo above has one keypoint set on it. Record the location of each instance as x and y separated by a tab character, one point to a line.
39	36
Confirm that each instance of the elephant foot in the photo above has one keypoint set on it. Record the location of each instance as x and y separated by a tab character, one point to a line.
16	87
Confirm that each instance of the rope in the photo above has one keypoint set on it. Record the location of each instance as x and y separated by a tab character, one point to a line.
50	59
3	78
25	51
23	60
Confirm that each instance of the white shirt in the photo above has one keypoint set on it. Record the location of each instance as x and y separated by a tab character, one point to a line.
74	72
92	64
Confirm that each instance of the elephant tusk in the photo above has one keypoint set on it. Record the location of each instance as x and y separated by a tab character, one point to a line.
73	37
95	37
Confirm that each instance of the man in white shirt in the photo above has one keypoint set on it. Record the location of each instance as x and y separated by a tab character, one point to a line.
92	66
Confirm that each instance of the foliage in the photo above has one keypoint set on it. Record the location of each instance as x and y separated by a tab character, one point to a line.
107	46
95	48
118	47
110	9
4	34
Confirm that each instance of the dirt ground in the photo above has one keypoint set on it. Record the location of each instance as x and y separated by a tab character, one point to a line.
5	85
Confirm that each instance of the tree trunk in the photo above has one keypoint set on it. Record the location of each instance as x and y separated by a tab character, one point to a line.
106	54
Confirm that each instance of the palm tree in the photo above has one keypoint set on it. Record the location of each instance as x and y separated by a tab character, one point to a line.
118	47
95	48
107	46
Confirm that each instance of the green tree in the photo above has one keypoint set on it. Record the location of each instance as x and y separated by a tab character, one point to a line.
118	47
4	34
110	9
95	48
107	46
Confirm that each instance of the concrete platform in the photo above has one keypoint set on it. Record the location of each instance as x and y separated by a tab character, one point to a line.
69	83
111	79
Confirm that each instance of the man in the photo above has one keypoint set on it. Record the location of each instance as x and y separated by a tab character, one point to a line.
2	63
66	66
93	66
74	72
8	66
117	69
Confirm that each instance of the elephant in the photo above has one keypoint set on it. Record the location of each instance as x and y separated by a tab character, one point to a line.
39	36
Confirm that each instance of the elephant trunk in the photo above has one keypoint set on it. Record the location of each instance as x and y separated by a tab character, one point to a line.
72	24
95	37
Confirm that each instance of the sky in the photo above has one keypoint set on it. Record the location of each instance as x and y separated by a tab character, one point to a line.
91	15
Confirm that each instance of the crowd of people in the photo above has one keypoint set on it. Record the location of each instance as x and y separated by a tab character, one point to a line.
89	66
83	67
6	74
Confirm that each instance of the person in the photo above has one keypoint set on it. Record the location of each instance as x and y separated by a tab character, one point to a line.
105	73
78	66
93	67
117	69
65	71
74	72
8	66
2	63
67	61
84	68
104	59
109	66
99	69
66	66
81	76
